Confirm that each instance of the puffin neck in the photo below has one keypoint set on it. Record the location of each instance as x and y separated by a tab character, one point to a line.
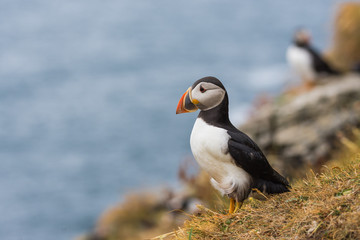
219	115
301	44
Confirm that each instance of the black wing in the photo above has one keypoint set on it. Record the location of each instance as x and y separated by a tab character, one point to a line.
249	157
320	64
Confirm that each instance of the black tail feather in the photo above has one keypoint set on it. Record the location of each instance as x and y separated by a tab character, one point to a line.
271	187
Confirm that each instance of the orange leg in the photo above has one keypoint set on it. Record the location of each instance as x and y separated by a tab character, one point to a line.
238	206
232	206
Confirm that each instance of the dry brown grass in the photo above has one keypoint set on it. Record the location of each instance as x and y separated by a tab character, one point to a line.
345	52
320	206
139	216
325	205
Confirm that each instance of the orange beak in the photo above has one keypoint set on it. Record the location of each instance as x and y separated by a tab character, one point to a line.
186	103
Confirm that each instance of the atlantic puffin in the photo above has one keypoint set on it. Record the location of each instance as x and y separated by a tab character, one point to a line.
234	162
305	60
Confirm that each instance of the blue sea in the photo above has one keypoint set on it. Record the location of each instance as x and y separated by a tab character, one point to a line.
88	93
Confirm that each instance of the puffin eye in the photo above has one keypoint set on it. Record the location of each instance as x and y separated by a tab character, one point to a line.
202	90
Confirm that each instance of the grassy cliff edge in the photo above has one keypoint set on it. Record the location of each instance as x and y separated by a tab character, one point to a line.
320	206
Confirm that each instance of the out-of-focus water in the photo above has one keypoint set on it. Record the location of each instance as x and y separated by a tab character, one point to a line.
88	91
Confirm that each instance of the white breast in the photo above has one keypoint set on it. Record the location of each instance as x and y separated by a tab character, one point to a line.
301	62
209	145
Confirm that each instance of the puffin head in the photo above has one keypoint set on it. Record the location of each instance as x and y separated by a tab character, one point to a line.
205	94
302	37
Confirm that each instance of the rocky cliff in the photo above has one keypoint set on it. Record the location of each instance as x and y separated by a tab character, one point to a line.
303	129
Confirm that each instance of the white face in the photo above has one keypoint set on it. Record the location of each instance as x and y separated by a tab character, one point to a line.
208	95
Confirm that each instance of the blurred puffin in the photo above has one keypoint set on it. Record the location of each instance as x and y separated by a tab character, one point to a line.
234	162
305	60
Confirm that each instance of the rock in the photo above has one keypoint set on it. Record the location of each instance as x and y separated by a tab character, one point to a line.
304	129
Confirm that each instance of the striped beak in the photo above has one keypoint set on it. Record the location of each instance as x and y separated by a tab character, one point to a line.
186	103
